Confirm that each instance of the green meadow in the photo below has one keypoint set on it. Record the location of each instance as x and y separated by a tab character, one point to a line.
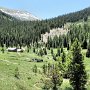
28	80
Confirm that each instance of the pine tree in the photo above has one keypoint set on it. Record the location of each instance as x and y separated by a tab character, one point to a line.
34	49
51	51
63	57
68	46
2	45
56	77
65	42
85	18
44	69
78	76
41	53
54	57
45	51
84	45
48	46
88	51
61	49
2	50
35	69
49	68
58	52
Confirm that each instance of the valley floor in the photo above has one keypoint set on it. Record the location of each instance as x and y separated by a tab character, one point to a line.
28	80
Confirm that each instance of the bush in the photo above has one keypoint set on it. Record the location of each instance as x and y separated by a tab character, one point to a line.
17	73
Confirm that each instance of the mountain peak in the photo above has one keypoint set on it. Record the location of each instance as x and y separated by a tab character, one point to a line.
20	15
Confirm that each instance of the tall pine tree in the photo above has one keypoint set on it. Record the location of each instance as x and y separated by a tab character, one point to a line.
78	76
88	51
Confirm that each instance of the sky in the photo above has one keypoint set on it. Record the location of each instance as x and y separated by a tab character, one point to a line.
46	8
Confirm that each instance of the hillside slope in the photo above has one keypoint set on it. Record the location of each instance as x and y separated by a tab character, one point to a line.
4	16
55	31
20	15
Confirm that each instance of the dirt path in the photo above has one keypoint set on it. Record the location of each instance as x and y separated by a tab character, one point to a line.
35	85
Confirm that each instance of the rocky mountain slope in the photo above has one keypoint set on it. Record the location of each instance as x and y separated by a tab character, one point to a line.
55	31
18	14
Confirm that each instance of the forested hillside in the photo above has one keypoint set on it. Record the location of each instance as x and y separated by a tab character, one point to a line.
13	32
4	16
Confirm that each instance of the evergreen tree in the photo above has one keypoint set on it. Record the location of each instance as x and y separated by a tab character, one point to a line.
48	46
60	66
44	69
56	77
51	51
2	50
28	49
58	52
85	18
34	49
41	53
35	69
84	44
88	51
2	45
65	42
54	57
49	68
63	57
68	46
45	51
78	76
61	49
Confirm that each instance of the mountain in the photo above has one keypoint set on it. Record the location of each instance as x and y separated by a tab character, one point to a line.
18	14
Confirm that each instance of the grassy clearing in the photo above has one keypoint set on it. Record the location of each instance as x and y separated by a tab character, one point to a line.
9	61
28	80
